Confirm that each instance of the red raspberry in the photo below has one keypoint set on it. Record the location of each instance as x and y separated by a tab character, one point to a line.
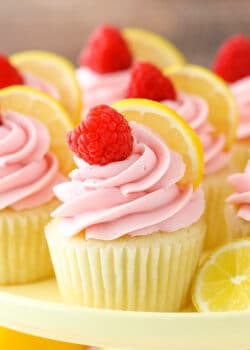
106	51
103	137
147	81
233	59
9	75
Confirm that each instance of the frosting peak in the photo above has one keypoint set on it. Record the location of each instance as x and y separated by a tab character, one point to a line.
241	91
194	110
28	171
104	88
137	196
241	184
40	84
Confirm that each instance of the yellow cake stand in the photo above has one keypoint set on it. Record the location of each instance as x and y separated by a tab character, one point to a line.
36	309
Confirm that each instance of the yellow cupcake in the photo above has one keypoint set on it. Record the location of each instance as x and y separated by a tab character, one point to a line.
24	255
31	160
209	105
146	273
216	190
240	154
236	226
98	263
237	205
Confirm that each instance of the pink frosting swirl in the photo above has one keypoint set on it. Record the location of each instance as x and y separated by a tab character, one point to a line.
241	184
28	172
102	88
39	84
194	110
137	196
241	91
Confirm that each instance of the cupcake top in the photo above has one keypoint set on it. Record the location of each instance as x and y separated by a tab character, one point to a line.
241	91
28	171
10	75
241	197
232	63
147	81
126	181
105	65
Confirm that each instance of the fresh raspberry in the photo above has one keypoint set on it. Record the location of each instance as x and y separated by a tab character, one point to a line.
9	75
103	137
147	81
232	61
106	51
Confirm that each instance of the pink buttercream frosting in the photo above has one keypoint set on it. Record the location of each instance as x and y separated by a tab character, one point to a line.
241	91
137	196
241	198
39	84
28	171
194	110
102	88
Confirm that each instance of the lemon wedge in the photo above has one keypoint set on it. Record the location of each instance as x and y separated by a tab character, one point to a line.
177	134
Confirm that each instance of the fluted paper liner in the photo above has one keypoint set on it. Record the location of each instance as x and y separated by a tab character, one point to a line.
216	189
24	254
240	155
237	227
147	273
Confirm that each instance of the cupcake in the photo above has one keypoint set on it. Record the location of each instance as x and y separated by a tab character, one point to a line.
237	208
147	81
29	170
232	63
129	232
107	59
45	72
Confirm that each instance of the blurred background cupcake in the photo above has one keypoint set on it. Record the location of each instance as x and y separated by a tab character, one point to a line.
232	63
237	208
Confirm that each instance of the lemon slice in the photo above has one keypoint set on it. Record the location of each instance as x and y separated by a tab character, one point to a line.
223	282
146	46
177	134
55	70
38	105
199	81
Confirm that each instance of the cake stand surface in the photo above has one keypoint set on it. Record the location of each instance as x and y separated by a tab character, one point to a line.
36	309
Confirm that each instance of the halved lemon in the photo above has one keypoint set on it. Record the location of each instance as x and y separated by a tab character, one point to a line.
199	81
223	282
147	46
38	105
55	70
11	340
177	134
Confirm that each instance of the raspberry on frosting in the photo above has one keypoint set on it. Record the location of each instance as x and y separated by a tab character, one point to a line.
232	62
106	51
147	81
103	137
9	75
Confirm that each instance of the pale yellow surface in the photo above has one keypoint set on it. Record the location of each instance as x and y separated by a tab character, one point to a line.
223	282
197	80
177	134
40	106
11	340
36	309
149	47
57	71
